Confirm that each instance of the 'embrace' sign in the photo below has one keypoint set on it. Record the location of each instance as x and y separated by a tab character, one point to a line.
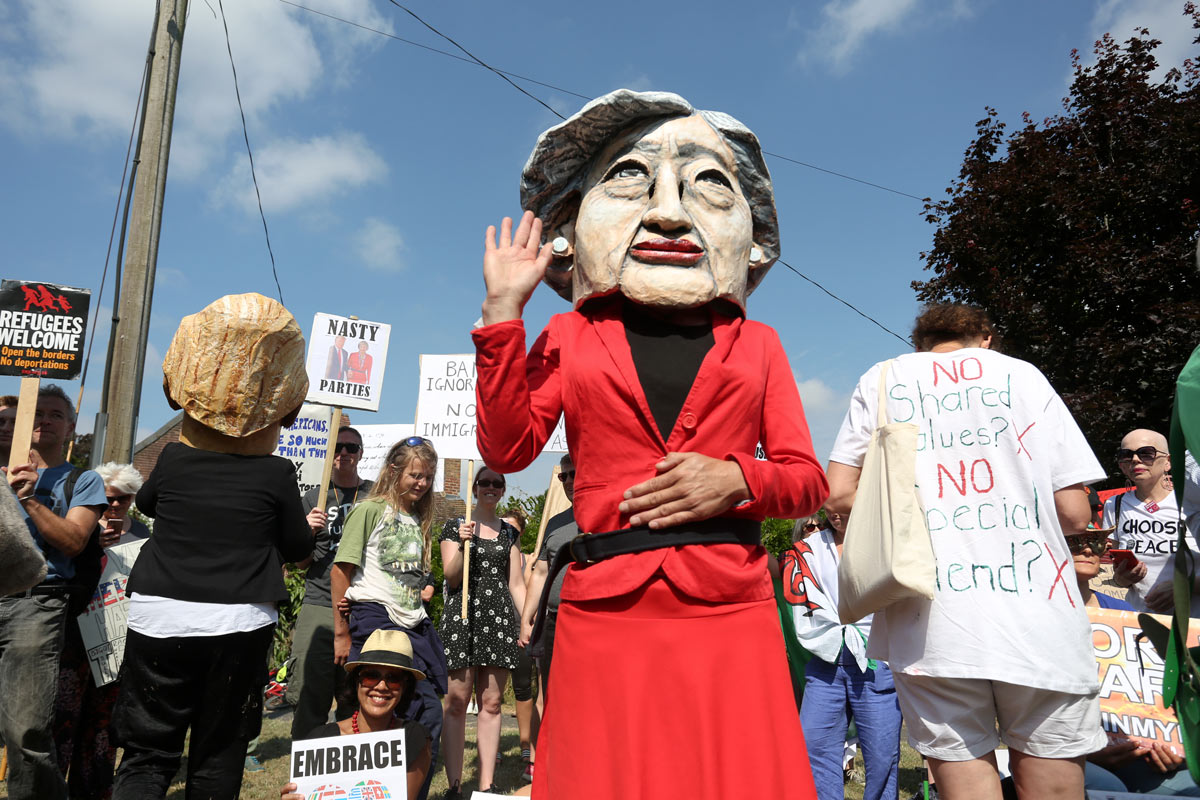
362	766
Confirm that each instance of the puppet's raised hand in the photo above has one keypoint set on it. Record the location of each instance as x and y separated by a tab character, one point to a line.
512	268
689	487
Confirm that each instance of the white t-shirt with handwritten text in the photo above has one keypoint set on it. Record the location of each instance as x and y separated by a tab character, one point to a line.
1151	531
995	443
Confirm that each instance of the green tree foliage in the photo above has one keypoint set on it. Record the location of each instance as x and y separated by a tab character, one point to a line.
288	610
1078	236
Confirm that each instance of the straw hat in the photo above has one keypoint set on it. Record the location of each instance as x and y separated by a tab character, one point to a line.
237	366
387	649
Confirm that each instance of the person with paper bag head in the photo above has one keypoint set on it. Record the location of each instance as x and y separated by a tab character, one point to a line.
658	221
205	588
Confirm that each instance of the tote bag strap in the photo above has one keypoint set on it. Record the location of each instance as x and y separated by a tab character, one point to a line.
882	419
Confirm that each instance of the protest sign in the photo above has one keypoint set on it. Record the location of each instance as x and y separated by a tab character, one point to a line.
377	440
446	407
346	358
362	766
1131	703
105	622
42	329
305	444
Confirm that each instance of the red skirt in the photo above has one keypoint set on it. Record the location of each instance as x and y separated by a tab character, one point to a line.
658	695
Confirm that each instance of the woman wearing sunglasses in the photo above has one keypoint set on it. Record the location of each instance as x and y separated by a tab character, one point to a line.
380	684
482	646
380	569
1147	522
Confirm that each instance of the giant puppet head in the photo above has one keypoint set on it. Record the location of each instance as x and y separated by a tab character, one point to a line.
670	206
237	371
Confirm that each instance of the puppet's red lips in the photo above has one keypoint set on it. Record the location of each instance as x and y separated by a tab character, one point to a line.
672	252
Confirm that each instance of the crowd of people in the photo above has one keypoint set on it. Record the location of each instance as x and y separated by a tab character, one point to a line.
682	669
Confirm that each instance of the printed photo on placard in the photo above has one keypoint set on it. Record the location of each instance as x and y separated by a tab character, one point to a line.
346	359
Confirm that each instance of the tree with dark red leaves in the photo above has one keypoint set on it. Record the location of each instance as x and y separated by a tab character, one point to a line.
1079	237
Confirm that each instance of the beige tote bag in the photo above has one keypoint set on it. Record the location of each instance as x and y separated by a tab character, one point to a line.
887	555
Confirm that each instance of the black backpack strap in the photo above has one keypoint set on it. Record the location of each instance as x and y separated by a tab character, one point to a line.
69	485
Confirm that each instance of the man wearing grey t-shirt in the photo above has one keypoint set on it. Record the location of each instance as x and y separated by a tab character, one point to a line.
315	677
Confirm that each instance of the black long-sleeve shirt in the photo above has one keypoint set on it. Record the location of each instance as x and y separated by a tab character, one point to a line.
224	525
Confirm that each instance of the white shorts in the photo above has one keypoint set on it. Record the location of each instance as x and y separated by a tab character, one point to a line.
955	719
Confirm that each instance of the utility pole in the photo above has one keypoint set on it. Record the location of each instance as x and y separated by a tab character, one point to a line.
127	362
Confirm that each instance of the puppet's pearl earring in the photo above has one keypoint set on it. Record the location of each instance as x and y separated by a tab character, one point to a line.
560	246
756	255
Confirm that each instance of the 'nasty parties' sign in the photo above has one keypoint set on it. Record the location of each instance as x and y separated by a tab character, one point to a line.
345	364
42	329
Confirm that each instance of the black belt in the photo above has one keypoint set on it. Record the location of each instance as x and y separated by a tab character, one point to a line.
53	589
588	548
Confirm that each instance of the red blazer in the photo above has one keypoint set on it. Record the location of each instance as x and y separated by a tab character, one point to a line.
358	368
744	394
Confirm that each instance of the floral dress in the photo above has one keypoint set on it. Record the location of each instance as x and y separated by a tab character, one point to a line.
488	636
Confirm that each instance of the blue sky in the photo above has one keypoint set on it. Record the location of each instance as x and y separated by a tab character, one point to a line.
382	163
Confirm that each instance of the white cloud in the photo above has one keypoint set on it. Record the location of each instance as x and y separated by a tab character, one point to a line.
824	409
380	245
845	26
73	70
293	173
1165	20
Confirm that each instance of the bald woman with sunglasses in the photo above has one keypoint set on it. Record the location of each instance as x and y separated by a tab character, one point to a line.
1147	522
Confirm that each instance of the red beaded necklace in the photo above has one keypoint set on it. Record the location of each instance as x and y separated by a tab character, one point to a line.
354	722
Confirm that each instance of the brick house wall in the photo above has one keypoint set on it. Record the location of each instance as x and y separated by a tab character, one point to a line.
448	503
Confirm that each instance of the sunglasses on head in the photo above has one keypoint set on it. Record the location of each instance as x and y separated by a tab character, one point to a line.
1097	542
349	447
1145	454
414	441
371	677
490	484
569	475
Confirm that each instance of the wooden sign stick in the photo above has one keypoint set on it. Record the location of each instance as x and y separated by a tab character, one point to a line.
330	453
531	562
23	426
467	546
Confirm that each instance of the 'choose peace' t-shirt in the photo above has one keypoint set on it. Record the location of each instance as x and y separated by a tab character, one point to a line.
1151	531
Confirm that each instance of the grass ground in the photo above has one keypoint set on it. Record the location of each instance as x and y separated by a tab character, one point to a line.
274	748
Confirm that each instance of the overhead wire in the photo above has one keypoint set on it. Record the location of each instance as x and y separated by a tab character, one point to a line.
472	58
249	153
446	53
478	61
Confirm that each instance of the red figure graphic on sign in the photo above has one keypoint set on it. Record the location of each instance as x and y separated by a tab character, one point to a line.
44	300
32	298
